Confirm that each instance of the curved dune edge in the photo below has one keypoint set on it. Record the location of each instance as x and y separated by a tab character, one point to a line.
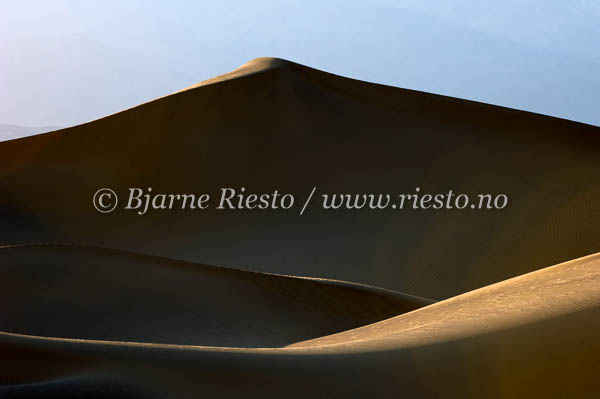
109	295
257	65
265	64
549	293
360	137
531	335
254	66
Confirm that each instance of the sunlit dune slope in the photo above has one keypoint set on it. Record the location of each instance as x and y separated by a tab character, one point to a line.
553	293
531	336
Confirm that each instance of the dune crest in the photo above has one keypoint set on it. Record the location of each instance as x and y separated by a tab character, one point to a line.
77	318
551	293
99	294
531	335
277	125
257	65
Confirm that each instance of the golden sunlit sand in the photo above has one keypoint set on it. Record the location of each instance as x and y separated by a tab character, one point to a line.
531	335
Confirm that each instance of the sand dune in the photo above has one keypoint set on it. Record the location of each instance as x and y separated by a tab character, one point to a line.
110	295
531	335
274	124
148	318
551	293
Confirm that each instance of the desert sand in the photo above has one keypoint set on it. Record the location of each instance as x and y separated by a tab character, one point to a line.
111	295
469	304
533	335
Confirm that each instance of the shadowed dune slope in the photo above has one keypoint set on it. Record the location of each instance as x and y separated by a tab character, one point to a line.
534	335
110	295
276	125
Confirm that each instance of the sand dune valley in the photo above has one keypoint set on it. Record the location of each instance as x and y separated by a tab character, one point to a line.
499	303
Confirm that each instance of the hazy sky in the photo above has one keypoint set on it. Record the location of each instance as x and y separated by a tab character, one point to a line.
65	62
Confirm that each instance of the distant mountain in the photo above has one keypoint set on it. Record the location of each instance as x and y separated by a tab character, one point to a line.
74	79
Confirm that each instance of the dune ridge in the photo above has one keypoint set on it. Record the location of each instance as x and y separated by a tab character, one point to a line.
549	293
93	293
498	341
113	314
275	124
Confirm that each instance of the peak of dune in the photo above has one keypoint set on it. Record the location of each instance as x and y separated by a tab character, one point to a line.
257	65
179	328
272	125
266	62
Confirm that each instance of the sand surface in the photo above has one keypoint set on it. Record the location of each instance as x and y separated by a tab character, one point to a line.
534	335
128	306
273	124
98	294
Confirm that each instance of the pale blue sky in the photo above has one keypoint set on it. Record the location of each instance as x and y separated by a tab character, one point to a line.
65	62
